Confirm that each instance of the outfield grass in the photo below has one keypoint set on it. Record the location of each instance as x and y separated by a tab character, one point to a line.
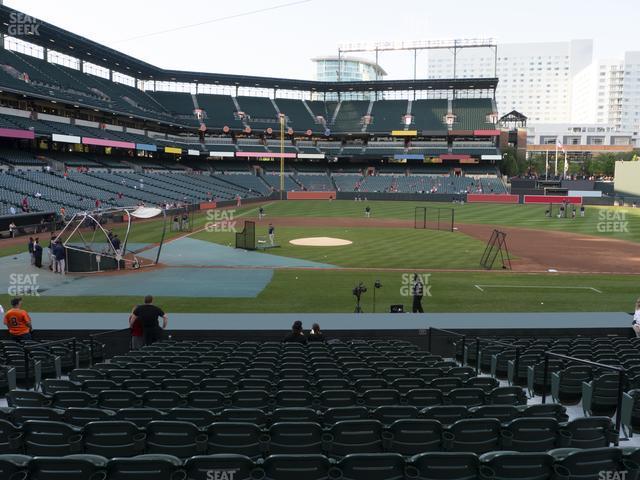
376	247
402	248
596	221
315	291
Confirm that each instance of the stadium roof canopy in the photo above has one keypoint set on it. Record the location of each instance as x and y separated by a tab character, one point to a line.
51	37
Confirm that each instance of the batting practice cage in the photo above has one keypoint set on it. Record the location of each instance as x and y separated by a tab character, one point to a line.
247	237
434	218
113	239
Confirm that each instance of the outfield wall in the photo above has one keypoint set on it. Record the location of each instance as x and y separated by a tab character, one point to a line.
344	326
492	198
627	179
311	195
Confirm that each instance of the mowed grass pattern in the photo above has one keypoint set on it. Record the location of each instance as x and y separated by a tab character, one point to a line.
374	247
319	291
598	221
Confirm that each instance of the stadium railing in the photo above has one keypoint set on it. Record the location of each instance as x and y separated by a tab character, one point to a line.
621	379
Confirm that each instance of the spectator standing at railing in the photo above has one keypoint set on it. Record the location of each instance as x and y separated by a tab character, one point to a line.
636	319
137	337
18	321
148	315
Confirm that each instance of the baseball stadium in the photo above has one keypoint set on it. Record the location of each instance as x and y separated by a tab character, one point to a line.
477	318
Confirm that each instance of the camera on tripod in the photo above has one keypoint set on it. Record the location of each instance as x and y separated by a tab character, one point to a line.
359	289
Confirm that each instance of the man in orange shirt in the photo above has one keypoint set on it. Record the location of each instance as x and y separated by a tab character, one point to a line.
18	321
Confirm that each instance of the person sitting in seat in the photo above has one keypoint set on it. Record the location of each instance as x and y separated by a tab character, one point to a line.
315	335
296	335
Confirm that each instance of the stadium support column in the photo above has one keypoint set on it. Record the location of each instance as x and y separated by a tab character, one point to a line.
282	125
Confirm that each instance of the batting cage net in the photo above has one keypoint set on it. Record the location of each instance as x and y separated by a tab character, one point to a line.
434	218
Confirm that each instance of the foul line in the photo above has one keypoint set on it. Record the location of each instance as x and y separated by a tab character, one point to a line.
482	287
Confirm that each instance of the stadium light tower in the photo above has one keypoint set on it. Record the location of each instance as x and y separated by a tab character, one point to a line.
453	45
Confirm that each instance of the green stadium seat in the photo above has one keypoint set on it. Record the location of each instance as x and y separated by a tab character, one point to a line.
70	467
424	397
42	438
469	397
504	413
530	434
301	438
238	467
146	467
590	432
256	416
72	398
600	395
234	437
13	466
413	436
588	464
210	400
113	439
338	414
140	416
295	414
117	399
381	466
81	416
354	436
388	414
516	466
477	435
11	438
22	414
181	439
443	466
291	467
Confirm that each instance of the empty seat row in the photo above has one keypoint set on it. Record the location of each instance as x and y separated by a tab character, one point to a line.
556	464
184	380
387	414
120	438
215	400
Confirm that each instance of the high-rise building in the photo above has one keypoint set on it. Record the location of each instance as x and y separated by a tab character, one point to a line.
609	75
537	79
630	111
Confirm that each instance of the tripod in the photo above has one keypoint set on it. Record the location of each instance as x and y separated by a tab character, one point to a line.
358	308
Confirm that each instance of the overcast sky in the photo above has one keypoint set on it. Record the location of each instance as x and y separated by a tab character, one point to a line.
280	42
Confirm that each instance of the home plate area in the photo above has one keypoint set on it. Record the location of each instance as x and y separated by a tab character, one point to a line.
320	242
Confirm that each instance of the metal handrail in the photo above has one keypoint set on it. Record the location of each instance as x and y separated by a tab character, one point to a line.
94	335
621	378
28	348
464	337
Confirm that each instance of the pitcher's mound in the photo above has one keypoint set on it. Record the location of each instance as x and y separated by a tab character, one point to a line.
320	242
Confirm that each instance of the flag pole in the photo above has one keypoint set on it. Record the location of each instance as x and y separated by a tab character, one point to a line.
546	166
555	161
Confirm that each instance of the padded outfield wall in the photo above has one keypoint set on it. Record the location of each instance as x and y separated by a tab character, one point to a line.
627	178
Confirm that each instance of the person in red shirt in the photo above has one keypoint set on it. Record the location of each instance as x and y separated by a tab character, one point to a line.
137	339
18	321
